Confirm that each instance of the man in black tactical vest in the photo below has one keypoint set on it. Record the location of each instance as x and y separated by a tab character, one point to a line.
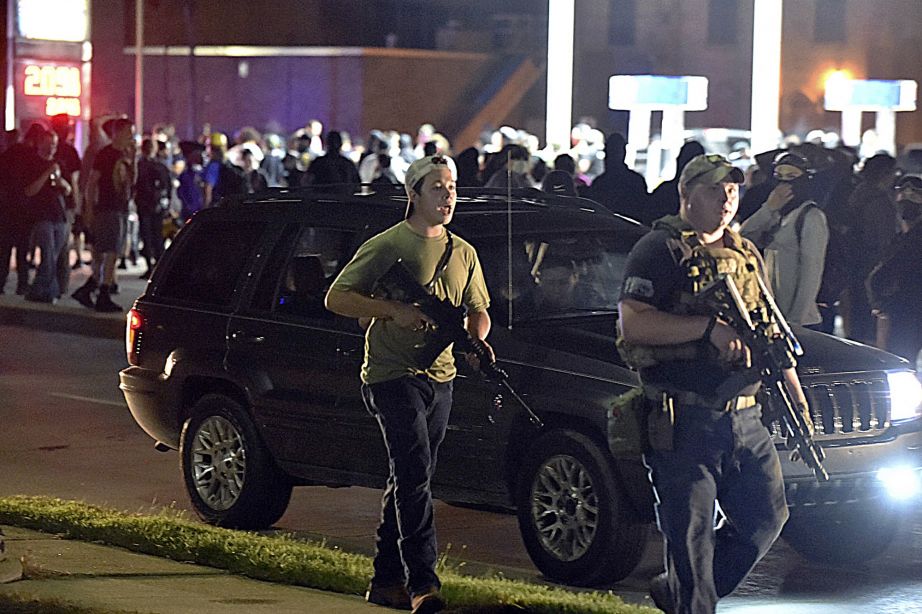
706	440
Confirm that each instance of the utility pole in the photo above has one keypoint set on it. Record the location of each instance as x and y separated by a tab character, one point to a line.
766	74
139	65
560	21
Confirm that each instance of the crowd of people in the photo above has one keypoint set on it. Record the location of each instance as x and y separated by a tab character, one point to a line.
823	227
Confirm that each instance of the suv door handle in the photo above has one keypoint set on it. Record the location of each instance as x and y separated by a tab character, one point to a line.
241	337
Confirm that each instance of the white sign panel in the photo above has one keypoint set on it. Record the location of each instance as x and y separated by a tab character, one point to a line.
53	20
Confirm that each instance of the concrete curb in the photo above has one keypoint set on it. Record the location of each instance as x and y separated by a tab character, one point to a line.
64	320
69	316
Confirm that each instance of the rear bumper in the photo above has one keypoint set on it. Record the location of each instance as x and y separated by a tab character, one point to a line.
153	404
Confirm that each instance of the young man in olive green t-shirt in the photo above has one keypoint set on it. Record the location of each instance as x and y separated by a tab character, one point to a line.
409	393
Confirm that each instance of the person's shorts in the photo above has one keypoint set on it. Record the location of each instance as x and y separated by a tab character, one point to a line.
109	231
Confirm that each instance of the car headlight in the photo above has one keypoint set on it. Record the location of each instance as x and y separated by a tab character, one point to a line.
900	482
905	395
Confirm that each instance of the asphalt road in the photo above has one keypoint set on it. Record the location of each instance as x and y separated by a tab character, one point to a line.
65	431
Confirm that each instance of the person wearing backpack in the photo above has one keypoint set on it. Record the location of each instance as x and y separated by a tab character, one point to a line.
791	231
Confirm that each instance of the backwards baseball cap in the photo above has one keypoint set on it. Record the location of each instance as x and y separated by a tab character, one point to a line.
710	168
422	167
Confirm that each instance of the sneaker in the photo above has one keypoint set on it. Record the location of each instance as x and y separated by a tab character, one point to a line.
660	593
122	265
84	295
390	596
104	302
428	602
113	289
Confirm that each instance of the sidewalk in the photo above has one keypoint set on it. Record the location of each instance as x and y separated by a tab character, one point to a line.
106	578
69	316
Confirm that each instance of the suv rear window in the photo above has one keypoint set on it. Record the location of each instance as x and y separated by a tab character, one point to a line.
207	266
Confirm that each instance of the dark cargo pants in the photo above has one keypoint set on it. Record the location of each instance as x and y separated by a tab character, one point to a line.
413	414
726	457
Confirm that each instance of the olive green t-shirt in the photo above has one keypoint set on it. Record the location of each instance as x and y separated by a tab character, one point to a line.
390	350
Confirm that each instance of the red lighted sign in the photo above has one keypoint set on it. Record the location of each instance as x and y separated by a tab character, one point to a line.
60	86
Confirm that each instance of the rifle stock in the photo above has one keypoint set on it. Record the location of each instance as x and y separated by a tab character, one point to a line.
772	353
400	285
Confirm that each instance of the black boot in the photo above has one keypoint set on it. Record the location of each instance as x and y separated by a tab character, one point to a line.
662	596
84	294
104	301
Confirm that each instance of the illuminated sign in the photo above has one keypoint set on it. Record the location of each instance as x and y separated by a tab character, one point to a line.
53	20
56	87
657	92
870	95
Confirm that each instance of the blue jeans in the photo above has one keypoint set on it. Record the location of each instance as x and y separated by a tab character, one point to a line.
727	457
413	414
50	237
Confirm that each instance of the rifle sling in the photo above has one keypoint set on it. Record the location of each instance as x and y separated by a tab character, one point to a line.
443	262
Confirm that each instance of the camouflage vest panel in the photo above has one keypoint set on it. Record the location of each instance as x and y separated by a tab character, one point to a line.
702	264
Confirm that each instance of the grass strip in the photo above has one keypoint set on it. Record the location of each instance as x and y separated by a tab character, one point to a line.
283	559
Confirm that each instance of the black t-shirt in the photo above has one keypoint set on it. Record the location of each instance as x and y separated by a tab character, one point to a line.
48	204
654	275
110	198
68	159
153	183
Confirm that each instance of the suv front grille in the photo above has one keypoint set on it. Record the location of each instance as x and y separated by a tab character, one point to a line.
848	409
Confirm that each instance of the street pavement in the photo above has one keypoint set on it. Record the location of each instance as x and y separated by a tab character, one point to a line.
94	576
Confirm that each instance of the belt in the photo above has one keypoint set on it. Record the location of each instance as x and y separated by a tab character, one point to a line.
655	394
741	403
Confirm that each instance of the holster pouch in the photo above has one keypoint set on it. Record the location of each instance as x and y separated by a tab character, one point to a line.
661	423
627	424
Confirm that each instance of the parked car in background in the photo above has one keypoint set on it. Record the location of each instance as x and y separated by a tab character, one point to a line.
235	363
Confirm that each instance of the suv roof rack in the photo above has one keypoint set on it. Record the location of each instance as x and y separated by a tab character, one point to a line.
397	194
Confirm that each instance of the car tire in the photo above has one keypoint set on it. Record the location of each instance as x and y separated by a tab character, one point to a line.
843	536
575	521
242	488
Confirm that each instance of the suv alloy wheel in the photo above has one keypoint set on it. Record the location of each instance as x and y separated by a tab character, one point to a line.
229	475
575	521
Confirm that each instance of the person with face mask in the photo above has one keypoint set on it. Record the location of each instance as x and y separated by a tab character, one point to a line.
894	286
791	231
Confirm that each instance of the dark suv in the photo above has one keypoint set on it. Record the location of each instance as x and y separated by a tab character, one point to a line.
236	364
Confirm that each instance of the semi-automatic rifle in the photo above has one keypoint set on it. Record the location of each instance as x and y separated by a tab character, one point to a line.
774	348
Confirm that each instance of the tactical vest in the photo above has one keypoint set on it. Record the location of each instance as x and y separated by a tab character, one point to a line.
702	264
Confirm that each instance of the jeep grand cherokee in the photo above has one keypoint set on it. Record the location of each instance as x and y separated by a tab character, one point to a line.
235	363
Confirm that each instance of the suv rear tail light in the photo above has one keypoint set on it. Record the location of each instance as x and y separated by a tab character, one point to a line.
133	336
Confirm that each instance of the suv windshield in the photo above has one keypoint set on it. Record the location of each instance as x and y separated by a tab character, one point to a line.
554	275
